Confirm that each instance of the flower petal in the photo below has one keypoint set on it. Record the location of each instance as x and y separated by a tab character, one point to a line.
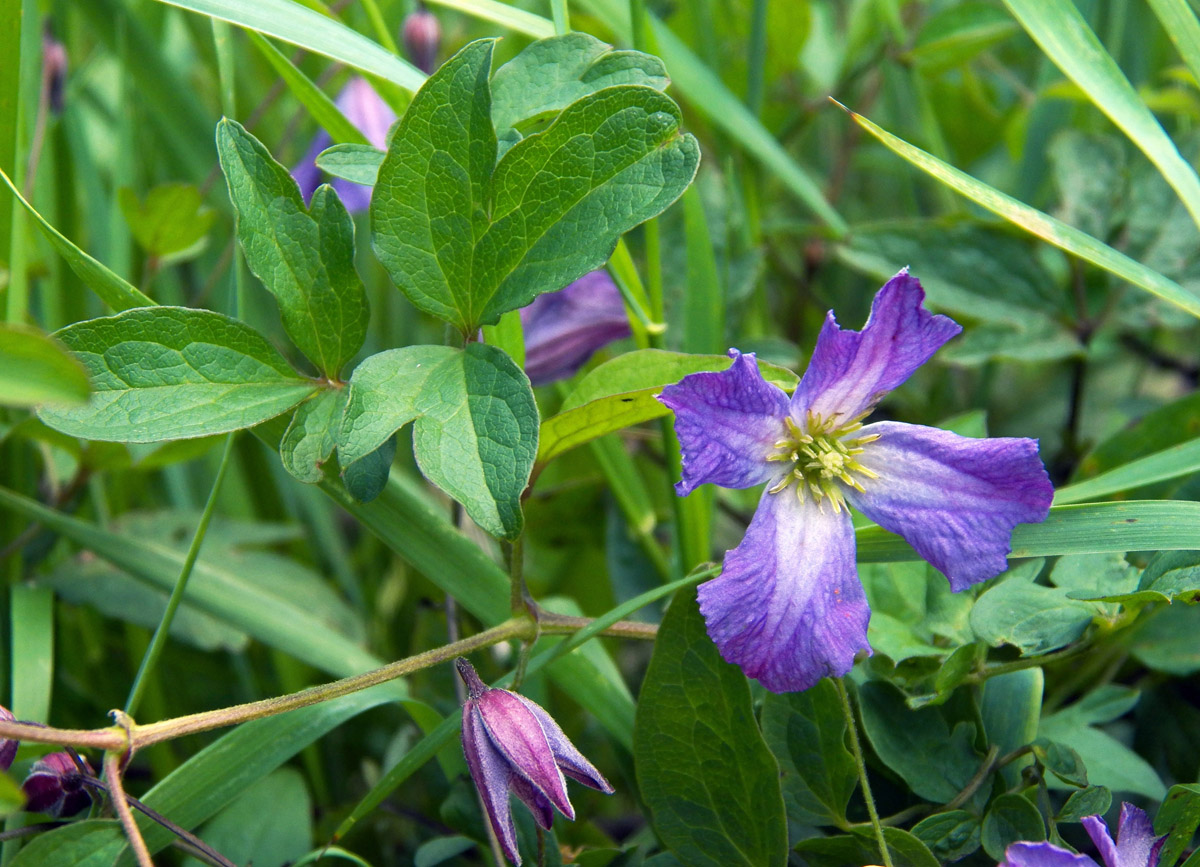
1136	846
518	735
1043	855
493	776
851	371
569	759
538	804
788	607
564	328
727	424
954	499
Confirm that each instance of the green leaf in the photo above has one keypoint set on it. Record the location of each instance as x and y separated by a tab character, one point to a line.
114	291
1167	642
550	74
861	848
919	745
312	434
950	835
1171	463
1010	708
807	732
620	393
1064	35
174	372
957	34
466	243
351	162
1033	618
366	478
1037	223
304	257
37	369
171	223
12	798
1092	801
1178	818
475	435
1180	24
306	28
89	843
268	823
1062	761
1146	525
1160	429
1009	819
710	782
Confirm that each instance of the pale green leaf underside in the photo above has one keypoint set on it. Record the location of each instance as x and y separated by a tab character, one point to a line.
162	373
552	73
475	435
304	256
467	244
310	437
1037	223
351	162
37	369
622	392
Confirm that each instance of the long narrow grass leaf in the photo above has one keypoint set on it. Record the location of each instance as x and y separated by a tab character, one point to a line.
1172	463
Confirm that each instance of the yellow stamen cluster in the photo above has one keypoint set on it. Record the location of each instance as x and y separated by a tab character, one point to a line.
823	459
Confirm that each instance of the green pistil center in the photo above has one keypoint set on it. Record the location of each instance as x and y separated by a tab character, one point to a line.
823	458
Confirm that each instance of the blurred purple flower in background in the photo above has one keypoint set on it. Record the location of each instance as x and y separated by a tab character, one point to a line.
362	106
512	745
1135	846
8	748
788	606
55	786
422	37
564	328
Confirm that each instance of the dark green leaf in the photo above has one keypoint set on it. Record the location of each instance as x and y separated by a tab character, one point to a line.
268	823
304	256
1178	818
1009	819
1010	707
949	836
441	849
807	731
351	162
37	369
310	437
710	782
89	843
919	745
173	372
1167	642
906	850
1062	761
956	34
1029	616
475	435
467	244
1092	801
366	478
550	74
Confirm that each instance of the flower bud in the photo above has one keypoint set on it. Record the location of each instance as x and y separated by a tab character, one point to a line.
8	748
564	328
54	69
422	37
512	745
55	786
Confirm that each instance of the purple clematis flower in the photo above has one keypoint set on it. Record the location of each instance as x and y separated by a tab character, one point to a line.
564	328
362	106
55	786
512	745
8	748
788	607
1135	846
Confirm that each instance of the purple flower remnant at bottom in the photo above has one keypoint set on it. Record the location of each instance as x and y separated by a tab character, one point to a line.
362	106
1136	845
564	328
8	748
512	745
55	786
788	606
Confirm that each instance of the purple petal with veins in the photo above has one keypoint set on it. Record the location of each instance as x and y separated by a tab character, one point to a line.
563	329
727	423
1043	855
953	498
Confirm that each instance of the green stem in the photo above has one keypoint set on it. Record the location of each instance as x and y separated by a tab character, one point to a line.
164	625
382	33
856	750
561	15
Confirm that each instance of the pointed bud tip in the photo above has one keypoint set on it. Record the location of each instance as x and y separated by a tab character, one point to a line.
475	686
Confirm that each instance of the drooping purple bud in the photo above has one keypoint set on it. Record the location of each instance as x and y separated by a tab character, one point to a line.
55	786
54	68
564	328
422	37
512	745
8	748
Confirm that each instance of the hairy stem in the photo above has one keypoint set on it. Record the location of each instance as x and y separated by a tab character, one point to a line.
856	751
116	791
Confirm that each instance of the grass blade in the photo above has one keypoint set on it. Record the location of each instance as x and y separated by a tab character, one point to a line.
1183	29
1036	222
1064	35
1180	460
